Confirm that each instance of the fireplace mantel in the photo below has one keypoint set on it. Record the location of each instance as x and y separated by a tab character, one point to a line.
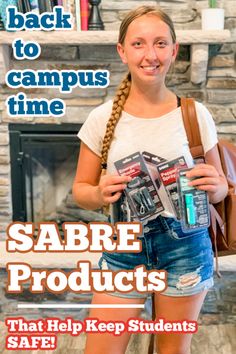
198	39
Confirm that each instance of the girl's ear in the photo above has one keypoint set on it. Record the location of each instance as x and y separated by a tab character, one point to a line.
121	53
175	51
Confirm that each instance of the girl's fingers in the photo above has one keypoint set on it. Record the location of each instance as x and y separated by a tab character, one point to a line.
113	189
113	198
111	180
204	181
208	188
201	172
202	166
206	178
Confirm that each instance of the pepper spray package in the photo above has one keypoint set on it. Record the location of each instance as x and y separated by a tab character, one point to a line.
151	162
194	204
141	192
168	174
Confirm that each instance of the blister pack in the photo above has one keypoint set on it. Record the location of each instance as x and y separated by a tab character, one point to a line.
194	204
168	172
141	192
151	162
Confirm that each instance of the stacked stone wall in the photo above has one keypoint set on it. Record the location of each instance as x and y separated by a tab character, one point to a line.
218	92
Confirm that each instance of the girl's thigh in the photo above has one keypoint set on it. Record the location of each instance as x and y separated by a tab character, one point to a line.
108	343
177	309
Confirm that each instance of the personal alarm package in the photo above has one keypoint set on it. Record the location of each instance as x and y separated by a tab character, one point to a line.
168	172
194	204
141	192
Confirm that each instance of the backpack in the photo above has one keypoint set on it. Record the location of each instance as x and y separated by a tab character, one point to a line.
223	214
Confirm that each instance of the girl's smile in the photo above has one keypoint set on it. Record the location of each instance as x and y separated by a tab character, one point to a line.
148	49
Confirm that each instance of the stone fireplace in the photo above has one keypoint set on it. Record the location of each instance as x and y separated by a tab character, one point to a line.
205	69
42	172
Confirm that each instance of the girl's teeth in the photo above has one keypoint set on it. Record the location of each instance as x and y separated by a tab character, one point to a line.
149	68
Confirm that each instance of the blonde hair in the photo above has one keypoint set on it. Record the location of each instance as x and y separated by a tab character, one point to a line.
124	88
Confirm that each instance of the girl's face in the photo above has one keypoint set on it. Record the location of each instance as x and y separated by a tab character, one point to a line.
148	50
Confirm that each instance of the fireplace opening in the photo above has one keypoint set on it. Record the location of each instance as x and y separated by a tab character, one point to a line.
43	166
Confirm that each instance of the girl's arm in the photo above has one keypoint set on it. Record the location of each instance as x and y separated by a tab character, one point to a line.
211	177
90	190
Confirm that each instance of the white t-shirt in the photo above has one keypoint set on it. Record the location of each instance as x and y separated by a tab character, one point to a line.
164	136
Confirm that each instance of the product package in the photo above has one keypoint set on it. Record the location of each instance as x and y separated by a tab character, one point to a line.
168	172
141	192
152	161
120	211
194	204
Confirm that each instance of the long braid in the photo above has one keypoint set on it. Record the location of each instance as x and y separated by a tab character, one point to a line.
124	88
117	108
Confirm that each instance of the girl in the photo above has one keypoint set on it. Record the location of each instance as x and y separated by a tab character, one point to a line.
145	116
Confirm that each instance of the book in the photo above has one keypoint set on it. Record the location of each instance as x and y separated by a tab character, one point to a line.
34	5
84	14
42	6
65	4
3	14
54	3
48	5
20	6
26	6
69	6
45	6
1	24
77	15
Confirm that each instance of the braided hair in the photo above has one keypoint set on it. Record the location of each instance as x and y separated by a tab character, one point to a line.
124	88
117	108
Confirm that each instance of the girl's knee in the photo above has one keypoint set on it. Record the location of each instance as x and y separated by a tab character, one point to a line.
167	348
173	351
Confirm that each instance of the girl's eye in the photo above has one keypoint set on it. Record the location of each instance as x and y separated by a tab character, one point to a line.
137	44
161	44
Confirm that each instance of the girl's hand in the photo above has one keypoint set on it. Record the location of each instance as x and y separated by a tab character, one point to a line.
208	179
110	188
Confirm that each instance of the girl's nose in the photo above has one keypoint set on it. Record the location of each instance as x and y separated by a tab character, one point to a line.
151	53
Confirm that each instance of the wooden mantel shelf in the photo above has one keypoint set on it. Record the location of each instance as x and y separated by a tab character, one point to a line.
107	37
198	39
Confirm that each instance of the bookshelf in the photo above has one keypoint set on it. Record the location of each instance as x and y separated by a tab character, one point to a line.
198	39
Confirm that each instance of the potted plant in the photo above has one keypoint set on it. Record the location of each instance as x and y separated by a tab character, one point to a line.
213	17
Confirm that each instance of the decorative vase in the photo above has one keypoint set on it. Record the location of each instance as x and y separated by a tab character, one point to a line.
213	19
95	21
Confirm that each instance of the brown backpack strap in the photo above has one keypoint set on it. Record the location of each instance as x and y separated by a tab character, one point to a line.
216	222
191	127
195	145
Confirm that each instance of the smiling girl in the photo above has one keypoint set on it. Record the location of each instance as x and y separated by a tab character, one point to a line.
146	116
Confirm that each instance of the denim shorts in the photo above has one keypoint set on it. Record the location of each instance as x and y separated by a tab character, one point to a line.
186	257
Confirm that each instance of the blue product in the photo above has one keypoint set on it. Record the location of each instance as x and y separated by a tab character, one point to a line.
190	209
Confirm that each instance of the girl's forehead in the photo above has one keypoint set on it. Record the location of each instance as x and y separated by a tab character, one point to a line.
148	24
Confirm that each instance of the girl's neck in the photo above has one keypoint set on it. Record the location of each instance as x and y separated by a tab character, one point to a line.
150	103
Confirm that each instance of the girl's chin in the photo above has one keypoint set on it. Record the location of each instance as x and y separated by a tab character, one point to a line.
148	77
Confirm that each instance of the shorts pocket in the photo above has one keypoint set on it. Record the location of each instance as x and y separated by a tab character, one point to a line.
176	232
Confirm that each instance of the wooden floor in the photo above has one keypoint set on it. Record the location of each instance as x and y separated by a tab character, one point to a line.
214	339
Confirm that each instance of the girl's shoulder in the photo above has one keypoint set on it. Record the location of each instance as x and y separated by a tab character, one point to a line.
102	111
201	108
207	127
